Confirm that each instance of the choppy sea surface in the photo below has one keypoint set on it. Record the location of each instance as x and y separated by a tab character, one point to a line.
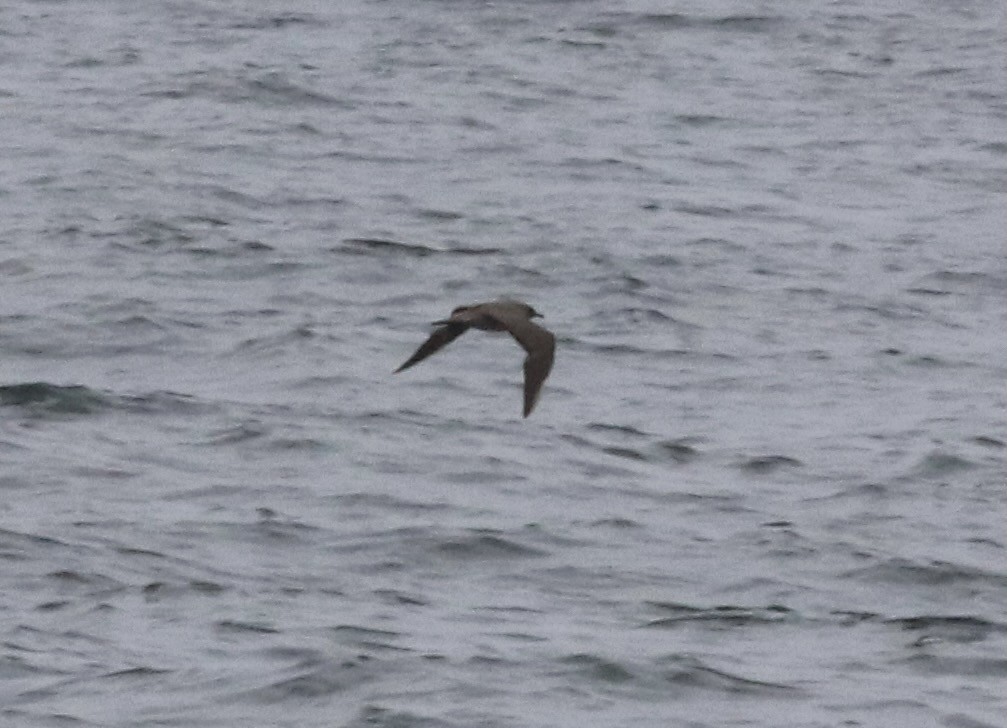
764	485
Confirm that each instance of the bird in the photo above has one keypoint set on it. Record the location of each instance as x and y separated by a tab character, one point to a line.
514	317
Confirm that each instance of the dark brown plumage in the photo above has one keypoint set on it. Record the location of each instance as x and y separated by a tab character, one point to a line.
513	317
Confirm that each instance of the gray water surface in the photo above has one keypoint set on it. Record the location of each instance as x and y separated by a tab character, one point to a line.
764	485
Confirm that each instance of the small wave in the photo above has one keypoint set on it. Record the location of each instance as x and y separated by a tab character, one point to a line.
960	720
384	501
304	444
631	350
236	434
721	615
620	429
679	451
583	43
617	349
765	464
275	88
240	627
633	315
990	667
860	491
932	573
661	260
945	282
699	120
156	591
482	546
276	529
962	629
357	636
940	464
281	20
924	291
374	716
267	89
153	233
925	360
736	23
163	402
318	679
624	452
688	671
889	310
44	398
704	210
130	673
848	618
277	340
383	246
398	598
428	213
617	523
89	583
598	668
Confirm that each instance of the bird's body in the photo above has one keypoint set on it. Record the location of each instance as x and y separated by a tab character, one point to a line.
513	317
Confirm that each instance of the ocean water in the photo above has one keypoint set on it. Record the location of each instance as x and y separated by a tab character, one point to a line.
764	485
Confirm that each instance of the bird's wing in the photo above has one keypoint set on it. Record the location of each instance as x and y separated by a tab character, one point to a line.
438	339
536	368
541	347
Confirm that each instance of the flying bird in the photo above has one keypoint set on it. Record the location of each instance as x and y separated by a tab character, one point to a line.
515	318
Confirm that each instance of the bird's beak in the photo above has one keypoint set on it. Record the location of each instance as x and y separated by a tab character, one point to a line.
536	314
